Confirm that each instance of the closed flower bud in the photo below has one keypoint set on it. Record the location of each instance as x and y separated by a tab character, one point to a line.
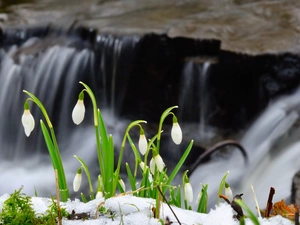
121	182
228	192
159	163
99	194
78	112
142	165
152	165
142	142
176	132
188	192
27	122
156	161
77	180
199	197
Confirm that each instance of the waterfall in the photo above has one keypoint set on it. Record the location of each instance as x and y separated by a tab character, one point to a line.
51	67
193	98
52	72
272	144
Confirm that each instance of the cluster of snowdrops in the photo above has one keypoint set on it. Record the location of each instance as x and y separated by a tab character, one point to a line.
154	182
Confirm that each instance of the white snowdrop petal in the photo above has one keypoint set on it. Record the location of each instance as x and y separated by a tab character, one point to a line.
176	133
78	112
159	163
121	182
27	122
99	194
188	192
77	181
228	194
143	144
152	166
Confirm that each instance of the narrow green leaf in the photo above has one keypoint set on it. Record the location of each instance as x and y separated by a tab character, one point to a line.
202	206
248	210
132	179
179	164
222	186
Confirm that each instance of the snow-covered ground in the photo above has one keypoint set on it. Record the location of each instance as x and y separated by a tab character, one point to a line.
132	210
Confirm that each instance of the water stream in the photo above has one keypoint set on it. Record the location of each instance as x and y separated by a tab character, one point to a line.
52	72
272	144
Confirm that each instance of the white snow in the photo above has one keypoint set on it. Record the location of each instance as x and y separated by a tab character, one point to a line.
131	210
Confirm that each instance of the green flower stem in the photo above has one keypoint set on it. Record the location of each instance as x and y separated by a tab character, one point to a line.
151	142
103	150
87	172
162	119
52	147
93	99
136	154
117	171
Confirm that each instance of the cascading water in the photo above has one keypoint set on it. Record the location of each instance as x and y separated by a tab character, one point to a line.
193	90
272	144
52	72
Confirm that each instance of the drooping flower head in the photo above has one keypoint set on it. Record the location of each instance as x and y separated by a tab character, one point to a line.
77	180
27	120
142	142
156	161
144	167
176	132
188	190
228	192
79	110
99	194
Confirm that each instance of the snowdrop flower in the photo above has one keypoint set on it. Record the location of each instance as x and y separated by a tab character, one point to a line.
77	180
228	192
156	161
79	110
121	182
27	120
199	197
142	165
188	190
142	142
176	132
99	194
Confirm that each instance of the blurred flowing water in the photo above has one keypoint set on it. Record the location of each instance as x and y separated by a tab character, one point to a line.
52	69
272	144
52	72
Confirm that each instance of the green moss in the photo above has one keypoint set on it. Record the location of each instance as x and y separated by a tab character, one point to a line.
17	209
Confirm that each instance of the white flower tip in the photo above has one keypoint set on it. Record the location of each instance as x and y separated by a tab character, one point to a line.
77	182
99	194
78	112
143	144
176	133
27	122
188	192
159	163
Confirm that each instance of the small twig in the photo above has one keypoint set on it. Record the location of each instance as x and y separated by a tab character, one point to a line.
256	202
216	147
225	198
168	204
269	202
297	215
58	199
